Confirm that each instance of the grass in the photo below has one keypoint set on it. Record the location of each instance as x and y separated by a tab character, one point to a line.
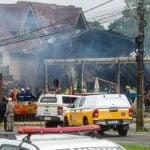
135	147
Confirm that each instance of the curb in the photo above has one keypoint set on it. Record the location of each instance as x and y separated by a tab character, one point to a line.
146	120
29	124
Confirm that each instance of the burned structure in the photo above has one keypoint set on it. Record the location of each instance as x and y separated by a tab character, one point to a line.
31	32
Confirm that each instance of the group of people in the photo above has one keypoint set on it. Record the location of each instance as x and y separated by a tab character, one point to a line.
7	106
7	111
21	95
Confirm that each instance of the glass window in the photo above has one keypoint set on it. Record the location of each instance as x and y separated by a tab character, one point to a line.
48	100
9	147
82	101
77	101
68	100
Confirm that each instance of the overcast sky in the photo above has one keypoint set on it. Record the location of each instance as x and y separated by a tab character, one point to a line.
109	8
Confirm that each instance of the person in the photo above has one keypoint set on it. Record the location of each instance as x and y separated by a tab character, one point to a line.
28	95
127	93
13	94
21	95
3	105
9	114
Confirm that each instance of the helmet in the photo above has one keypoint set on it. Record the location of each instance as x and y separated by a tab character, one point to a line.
22	89
127	87
9	99
27	88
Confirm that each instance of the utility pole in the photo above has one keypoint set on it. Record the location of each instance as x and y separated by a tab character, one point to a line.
1	85
140	66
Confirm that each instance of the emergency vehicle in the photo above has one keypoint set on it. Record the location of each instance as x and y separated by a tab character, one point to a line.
110	111
56	139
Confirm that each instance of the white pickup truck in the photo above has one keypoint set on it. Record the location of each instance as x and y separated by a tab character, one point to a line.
51	107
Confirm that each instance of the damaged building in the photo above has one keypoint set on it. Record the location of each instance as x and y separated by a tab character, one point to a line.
31	32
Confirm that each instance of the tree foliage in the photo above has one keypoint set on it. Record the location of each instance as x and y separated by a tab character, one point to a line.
96	25
128	23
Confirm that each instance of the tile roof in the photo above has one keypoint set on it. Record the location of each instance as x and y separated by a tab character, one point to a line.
13	17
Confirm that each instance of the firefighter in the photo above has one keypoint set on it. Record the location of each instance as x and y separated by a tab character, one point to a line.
28	95
21	95
9	114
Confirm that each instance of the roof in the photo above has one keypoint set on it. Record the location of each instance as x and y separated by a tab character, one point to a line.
14	16
92	43
63	141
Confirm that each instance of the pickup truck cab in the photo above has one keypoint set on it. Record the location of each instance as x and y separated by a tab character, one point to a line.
110	111
50	108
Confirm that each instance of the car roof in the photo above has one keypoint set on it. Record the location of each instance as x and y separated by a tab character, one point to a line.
54	95
65	141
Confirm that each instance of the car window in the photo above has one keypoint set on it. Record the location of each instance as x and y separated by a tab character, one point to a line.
76	103
48	100
12	147
82	102
68	100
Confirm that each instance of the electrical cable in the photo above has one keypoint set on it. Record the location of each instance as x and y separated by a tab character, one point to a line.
58	21
39	36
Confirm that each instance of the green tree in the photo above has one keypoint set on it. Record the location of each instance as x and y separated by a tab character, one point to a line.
96	25
128	23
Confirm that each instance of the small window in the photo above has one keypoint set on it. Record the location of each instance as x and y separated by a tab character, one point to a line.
68	100
9	147
76	103
48	100
82	101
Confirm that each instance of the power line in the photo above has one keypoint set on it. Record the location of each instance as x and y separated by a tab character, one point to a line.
98	6
41	35
58	21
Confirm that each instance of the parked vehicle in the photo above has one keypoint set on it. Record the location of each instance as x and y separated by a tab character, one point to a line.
51	107
63	141
110	111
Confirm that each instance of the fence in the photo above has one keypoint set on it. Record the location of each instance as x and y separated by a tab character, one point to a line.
25	117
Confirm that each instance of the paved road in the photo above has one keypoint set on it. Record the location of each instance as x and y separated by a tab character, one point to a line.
132	136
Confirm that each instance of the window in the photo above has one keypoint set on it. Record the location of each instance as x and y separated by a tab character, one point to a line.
48	100
68	100
82	101
12	147
77	101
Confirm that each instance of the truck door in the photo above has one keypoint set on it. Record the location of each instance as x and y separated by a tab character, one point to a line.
77	115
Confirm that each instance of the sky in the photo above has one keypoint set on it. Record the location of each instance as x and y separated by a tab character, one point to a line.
95	15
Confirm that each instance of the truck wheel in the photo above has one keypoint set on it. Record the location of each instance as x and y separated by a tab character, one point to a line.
47	124
123	130
85	121
66	123
50	124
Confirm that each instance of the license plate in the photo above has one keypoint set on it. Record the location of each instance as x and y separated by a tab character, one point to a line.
113	122
47	118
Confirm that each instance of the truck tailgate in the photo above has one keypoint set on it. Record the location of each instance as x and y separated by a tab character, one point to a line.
47	110
110	114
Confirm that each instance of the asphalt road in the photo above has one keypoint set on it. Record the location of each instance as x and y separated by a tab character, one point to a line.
131	138
142	138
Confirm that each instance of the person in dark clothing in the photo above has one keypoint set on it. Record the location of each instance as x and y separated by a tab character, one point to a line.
28	95
21	95
3	105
